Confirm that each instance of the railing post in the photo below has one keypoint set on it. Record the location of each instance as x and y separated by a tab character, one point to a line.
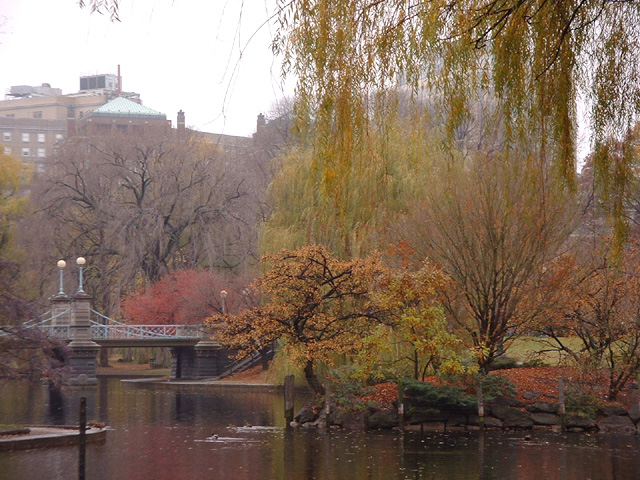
561	406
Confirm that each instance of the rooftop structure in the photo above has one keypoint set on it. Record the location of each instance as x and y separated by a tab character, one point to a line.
27	91
127	108
123	115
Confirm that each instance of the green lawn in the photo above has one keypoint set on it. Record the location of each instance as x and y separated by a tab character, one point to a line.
536	349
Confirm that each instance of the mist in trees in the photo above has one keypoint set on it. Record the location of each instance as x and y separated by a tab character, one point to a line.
139	207
24	353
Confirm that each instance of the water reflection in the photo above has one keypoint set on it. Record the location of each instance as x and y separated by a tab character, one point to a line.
103	400
56	406
161	433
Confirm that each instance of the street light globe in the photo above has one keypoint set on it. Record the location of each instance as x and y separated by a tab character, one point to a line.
62	264
81	261
223	293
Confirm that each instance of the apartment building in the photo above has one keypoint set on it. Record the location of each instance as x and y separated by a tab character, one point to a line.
34	119
32	139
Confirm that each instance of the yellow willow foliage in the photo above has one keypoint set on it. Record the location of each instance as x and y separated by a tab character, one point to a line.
419	334
353	219
535	60
14	175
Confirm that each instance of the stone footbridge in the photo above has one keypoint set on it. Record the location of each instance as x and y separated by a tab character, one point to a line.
195	351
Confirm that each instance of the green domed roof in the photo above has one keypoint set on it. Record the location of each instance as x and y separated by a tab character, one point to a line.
122	106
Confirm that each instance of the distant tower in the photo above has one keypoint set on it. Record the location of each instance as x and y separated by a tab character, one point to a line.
180	124
261	122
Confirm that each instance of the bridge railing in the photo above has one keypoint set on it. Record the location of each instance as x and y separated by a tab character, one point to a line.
115	330
118	332
55	331
122	332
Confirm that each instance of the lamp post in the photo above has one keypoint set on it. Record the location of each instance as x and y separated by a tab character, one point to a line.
223	296
83	350
80	261
61	265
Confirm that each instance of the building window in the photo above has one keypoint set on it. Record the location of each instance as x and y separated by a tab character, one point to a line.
41	152
41	138
7	150
25	152
37	114
25	137
40	167
58	137
6	136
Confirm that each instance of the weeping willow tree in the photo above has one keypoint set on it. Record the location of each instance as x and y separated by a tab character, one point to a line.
537	61
353	212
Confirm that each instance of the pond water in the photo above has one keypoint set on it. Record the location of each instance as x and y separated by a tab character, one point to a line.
162	433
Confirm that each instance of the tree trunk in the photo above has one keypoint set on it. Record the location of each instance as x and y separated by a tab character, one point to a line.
264	358
312	379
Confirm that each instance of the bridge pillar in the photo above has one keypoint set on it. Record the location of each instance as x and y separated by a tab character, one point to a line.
82	358
183	361
59	304
208	359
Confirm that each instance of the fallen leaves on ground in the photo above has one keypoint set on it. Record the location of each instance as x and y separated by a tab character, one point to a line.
251	375
543	380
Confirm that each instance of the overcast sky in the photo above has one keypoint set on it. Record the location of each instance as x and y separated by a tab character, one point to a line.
177	54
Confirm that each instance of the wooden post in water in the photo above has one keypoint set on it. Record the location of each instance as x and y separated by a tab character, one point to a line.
401	405
480	404
561	408
327	402
82	438
289	398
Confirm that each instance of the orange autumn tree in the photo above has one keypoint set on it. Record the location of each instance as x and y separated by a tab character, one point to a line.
316	305
601	309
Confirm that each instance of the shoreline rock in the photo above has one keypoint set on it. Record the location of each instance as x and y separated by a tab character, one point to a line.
536	415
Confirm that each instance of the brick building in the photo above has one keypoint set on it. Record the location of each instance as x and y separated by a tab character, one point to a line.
33	120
